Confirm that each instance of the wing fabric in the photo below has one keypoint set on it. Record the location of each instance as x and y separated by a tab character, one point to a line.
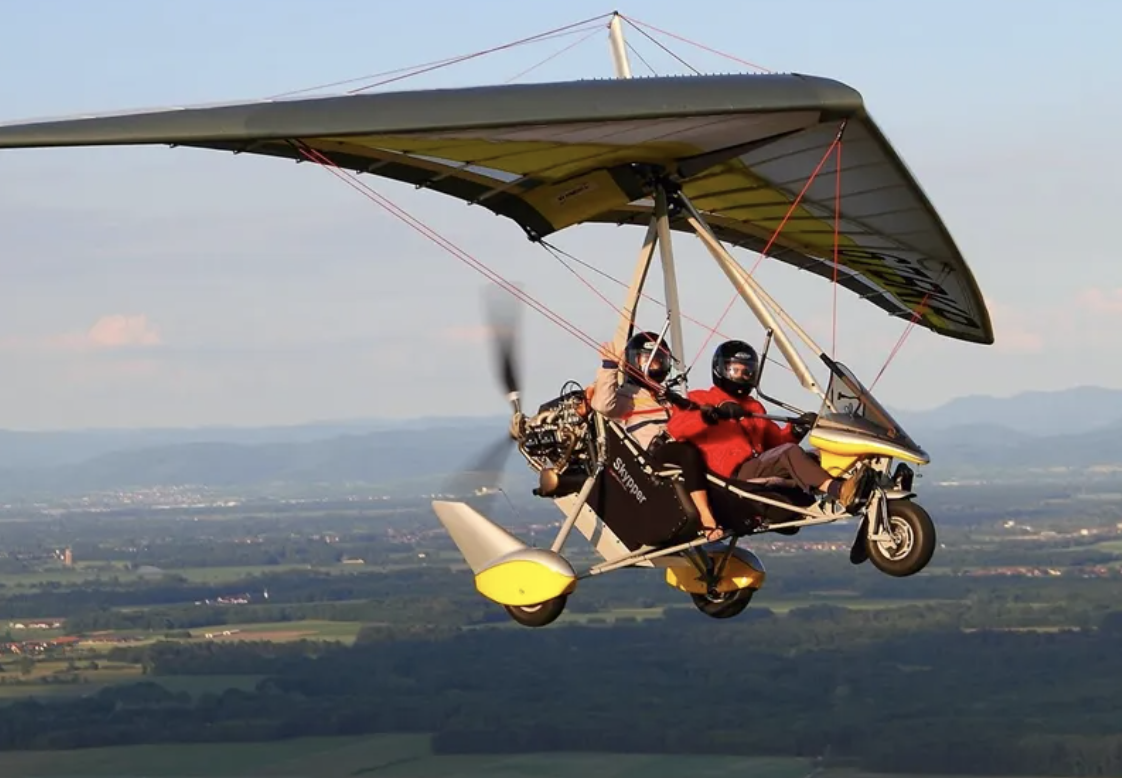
550	156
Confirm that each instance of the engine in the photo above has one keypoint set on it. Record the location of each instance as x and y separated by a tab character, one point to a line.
557	441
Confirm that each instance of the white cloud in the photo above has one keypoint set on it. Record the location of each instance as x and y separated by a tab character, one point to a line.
110	332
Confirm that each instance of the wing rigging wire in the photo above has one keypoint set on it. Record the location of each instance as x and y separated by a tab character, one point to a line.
553	56
589	26
558	254
779	229
362	187
400	74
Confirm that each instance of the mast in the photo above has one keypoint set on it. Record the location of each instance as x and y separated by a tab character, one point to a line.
660	222
619	47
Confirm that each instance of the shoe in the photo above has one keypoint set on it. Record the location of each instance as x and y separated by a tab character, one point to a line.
854	489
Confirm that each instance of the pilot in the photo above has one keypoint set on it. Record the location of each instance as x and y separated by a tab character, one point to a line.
747	448
640	404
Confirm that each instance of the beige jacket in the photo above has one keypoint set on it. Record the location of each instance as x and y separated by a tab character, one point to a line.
633	406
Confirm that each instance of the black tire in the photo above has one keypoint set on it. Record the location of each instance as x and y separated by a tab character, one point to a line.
538	615
726	606
915	534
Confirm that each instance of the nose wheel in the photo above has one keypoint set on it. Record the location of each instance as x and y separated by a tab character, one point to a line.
911	543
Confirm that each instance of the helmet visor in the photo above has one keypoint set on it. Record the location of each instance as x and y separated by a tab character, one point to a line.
656	364
648	360
740	368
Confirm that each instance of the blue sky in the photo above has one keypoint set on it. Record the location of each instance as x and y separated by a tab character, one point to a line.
180	287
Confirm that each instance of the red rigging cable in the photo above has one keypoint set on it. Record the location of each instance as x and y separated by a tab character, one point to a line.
559	253
352	180
775	234
920	310
647	35
637	24
916	315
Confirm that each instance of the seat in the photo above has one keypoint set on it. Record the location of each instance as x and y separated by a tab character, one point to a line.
640	507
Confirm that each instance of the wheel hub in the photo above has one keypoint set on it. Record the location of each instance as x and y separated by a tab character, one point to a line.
902	540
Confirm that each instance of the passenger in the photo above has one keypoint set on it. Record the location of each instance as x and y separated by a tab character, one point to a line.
644	414
747	448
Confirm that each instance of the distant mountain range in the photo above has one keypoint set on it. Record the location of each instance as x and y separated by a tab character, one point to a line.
1083	409
47	449
968	437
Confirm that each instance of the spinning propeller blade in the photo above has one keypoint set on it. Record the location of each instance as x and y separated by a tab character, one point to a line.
502	319
484	472
486	469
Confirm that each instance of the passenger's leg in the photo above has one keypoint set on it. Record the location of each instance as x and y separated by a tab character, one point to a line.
790	461
787	461
688	457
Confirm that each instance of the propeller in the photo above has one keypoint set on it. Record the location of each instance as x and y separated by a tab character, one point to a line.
486	469
501	312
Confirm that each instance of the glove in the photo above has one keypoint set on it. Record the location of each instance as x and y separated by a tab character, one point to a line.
724	411
803	424
709	414
731	410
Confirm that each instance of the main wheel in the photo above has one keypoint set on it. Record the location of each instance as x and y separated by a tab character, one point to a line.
538	615
725	605
912	544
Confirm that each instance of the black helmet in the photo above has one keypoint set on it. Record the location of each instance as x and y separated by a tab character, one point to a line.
735	352
639	351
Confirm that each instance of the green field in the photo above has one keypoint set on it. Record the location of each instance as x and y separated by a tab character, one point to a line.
342	631
387	756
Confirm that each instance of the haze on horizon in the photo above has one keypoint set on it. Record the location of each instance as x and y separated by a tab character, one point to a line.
159	287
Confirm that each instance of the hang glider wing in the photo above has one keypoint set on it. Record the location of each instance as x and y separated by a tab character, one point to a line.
549	156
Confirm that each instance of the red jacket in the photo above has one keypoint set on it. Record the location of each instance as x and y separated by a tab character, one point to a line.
728	443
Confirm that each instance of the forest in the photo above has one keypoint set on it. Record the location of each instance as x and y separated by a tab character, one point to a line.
899	690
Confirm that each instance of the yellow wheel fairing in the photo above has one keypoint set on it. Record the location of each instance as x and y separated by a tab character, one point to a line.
743	570
523	580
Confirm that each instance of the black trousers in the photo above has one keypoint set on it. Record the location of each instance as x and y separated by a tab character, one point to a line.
785	461
686	456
